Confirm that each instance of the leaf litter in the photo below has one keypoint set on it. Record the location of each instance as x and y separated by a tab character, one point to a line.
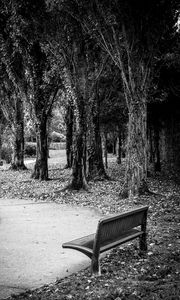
125	273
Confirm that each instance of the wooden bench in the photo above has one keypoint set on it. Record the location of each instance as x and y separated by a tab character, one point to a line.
111	232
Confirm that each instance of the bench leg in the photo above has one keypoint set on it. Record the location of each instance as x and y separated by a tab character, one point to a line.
142	242
95	266
142	239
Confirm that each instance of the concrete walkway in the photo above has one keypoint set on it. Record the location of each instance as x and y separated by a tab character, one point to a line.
31	235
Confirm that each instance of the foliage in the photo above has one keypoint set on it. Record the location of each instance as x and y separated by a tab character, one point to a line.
170	70
6	153
30	149
7	143
57	129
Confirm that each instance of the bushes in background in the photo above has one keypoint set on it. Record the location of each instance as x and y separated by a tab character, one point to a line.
30	149
6	153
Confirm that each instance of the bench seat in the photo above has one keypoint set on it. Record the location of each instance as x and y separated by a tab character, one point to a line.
85	244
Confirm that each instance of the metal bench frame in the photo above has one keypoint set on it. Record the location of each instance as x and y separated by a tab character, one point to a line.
111	232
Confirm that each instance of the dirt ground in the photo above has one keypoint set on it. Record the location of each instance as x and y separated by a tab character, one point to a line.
125	274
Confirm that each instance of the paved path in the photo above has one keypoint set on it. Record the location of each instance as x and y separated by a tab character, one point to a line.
31	235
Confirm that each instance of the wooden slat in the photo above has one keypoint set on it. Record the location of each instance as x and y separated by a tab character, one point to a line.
115	226
128	236
121	215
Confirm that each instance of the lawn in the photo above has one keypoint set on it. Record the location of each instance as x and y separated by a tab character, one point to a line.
125	274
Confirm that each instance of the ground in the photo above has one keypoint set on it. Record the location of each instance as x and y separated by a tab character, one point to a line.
125	274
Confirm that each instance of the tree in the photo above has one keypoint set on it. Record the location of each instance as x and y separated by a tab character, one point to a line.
2	126
12	109
81	76
45	84
97	64
30	22
134	35
12	83
166	94
69	135
78	177
113	111
87	148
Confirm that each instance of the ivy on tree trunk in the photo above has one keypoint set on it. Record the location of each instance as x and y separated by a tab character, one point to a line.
136	154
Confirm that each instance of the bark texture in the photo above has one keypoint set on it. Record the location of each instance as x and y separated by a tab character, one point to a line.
78	178
69	136
119	148
96	168
41	165
18	140
1	131
136	154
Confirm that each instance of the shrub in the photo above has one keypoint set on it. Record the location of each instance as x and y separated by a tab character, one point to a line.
6	153
30	149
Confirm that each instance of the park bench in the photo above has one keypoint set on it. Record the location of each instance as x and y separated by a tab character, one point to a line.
111	232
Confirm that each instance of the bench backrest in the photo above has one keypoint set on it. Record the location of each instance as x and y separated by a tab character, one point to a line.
110	228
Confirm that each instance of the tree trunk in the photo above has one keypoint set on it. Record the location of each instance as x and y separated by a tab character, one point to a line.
95	160
136	159
69	136
18	142
78	179
157	162
95	157
154	139
105	149
78	171
119	150
151	148
41	164
114	145
1	144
